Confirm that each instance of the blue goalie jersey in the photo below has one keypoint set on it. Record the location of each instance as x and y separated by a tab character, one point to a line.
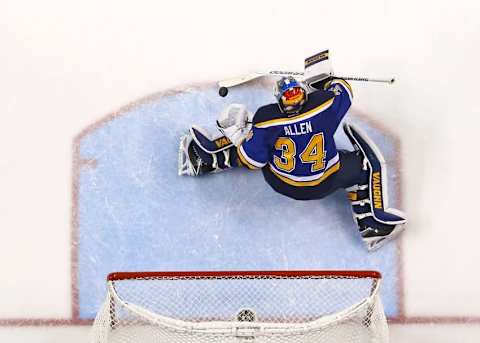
299	149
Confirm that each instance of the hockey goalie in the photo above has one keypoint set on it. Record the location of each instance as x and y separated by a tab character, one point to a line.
292	142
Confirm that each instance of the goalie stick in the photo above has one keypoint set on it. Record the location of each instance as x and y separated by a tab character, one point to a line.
236	81
225	84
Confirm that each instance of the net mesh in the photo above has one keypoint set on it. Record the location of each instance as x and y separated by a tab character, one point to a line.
248	308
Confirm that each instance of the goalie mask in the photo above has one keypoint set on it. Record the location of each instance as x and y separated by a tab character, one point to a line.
290	94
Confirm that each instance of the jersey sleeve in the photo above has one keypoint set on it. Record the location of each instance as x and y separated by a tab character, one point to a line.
253	152
343	98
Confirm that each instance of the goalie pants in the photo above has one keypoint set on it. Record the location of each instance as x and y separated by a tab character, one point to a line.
349	174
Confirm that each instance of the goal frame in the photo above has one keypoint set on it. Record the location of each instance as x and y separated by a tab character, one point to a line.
375	276
241	328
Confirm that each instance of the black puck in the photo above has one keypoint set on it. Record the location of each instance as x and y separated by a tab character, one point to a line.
223	91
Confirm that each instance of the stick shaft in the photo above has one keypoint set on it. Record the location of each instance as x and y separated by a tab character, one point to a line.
250	77
366	79
348	78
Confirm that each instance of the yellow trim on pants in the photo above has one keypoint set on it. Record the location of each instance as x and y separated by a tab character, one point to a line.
244	161
329	172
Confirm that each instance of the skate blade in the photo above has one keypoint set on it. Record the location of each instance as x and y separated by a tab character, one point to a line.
375	243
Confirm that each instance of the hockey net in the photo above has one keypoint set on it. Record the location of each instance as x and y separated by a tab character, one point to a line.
245	307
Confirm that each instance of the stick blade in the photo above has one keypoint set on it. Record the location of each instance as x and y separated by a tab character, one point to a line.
240	80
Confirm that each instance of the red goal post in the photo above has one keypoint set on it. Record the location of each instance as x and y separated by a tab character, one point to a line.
228	306
116	276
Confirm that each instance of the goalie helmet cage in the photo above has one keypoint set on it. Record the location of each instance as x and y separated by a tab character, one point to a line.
242	307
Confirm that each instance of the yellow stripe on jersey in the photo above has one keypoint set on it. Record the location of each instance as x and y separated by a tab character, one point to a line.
327	173
244	160
300	117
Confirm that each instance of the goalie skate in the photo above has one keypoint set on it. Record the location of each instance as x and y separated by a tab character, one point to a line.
190	162
200	154
376	238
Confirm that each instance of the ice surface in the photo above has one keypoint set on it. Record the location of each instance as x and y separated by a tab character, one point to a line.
136	213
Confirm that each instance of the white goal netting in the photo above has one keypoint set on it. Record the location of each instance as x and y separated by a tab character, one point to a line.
242	307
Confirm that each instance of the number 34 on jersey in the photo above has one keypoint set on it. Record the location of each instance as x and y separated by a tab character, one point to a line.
313	154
